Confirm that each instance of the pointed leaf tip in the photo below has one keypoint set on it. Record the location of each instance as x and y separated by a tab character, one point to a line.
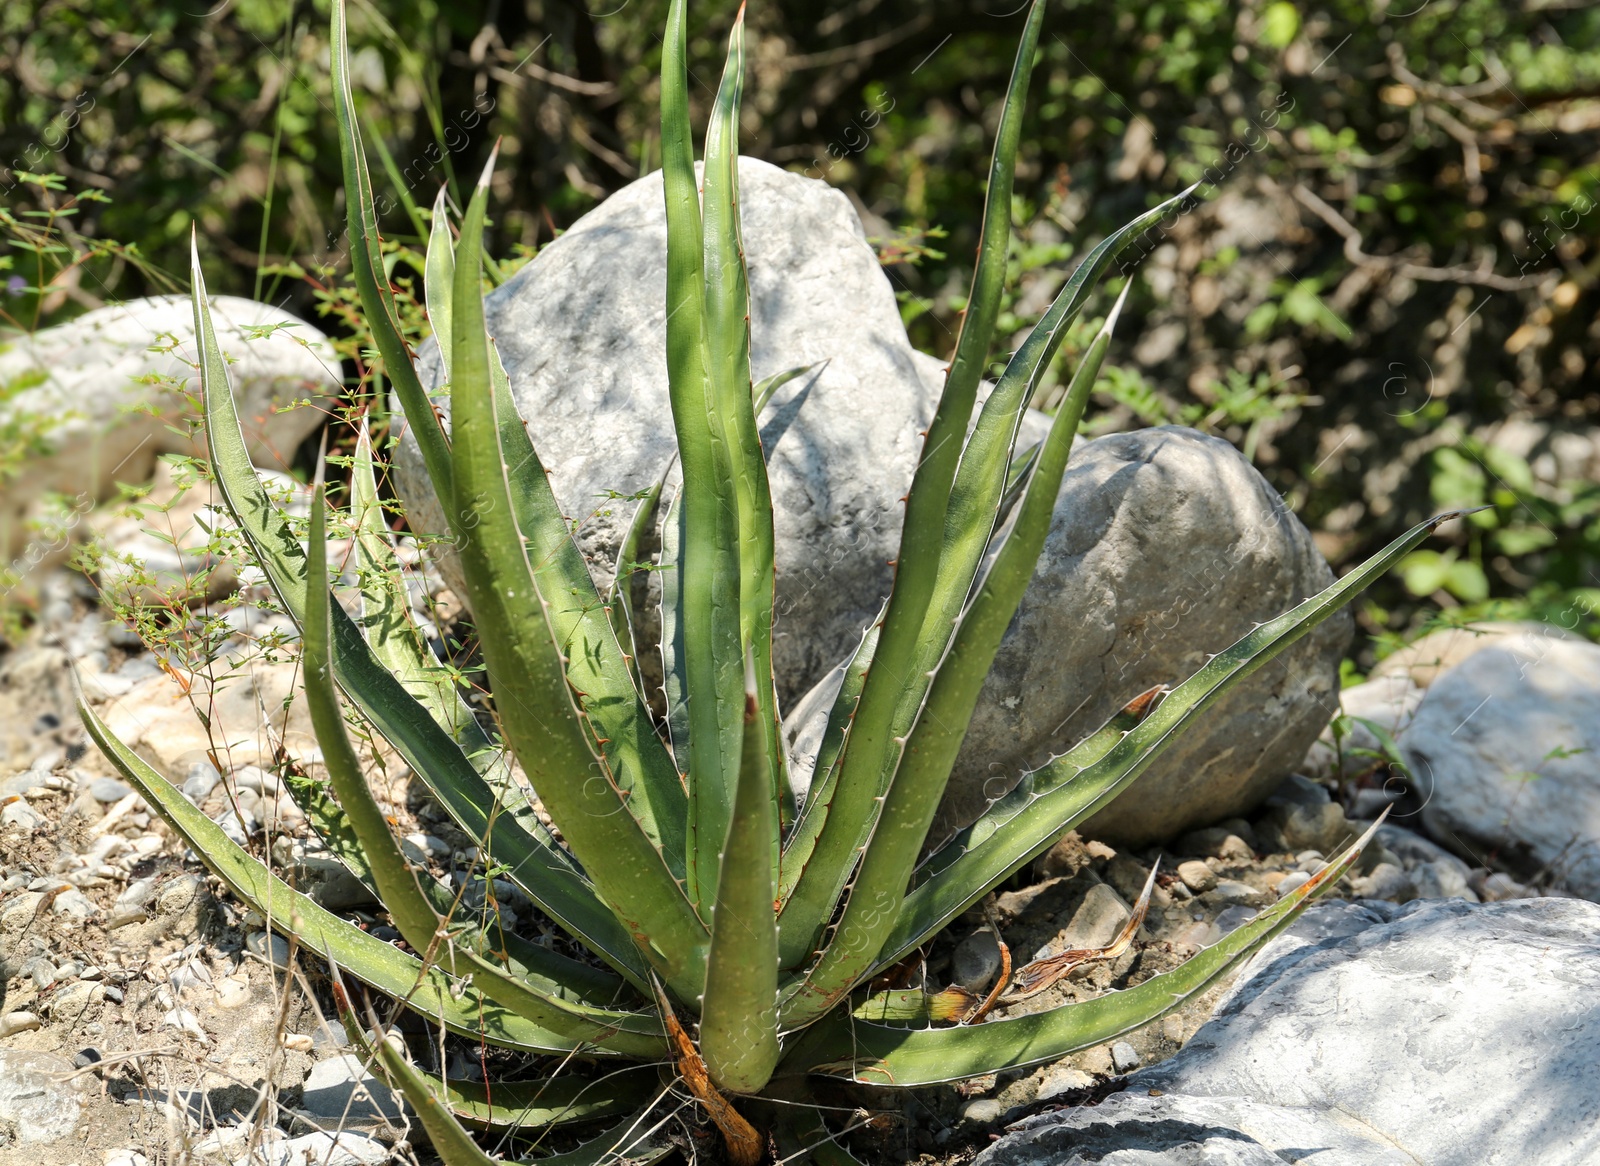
488	169
1116	308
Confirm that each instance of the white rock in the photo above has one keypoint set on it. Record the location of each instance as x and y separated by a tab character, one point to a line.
126	1158
1503	751
39	1094
111	385
1134	1129
1166	546
341	1088
185	1022
247	710
341	1149
1466	1034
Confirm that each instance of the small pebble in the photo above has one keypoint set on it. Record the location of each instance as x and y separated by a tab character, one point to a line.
1197	876
1387	881
203	778
983	1111
1124	1057
254	779
15	1022
185	1022
1230	892
86	1057
107	790
20	815
1234	918
297	1042
1293	882
423	847
976	961
272	948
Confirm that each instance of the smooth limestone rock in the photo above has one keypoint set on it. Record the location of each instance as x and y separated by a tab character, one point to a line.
1462	1034
1441	1033
39	1096
104	394
1503	751
582	333
1166	547
246	707
1135	1129
341	1088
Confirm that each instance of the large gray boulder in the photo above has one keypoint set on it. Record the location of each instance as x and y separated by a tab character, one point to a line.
1166	547
1439	1033
1503	750
103	395
1135	1129
582	333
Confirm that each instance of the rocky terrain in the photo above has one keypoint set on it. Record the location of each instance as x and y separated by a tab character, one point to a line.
1439	1013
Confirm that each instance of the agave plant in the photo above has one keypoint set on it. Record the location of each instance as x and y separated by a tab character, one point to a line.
738	936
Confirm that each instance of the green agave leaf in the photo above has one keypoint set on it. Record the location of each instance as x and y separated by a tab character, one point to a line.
559	1100
519	1105
398	884
674	649
973	505
480	805
872	1054
801	842
1017	481
451	1141
386	619
941	727
598	670
739	1017
541	714
1074	786
366	267
727	318
675	687
619	598
1091	749
869	751
767	387
438	277
425	989
709	567
916	1006
629	1143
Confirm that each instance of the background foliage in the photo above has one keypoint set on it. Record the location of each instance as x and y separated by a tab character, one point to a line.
1389	303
